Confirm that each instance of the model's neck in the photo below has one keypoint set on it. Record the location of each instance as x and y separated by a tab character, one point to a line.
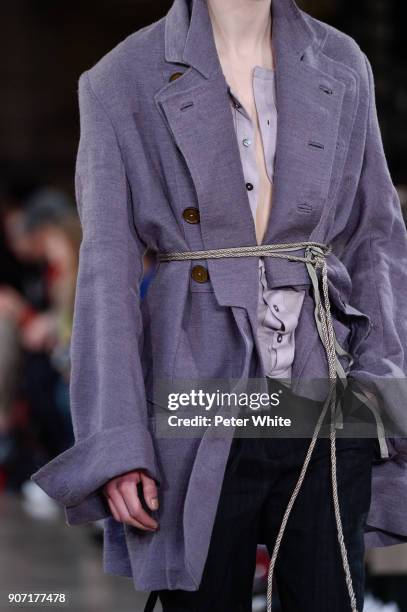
242	28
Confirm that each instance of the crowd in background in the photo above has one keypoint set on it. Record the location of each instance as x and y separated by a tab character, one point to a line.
40	237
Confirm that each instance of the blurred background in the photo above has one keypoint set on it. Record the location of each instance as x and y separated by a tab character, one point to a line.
45	46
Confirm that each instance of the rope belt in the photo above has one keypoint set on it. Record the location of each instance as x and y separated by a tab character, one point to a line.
314	259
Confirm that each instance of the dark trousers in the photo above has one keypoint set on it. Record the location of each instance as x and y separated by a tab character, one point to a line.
259	479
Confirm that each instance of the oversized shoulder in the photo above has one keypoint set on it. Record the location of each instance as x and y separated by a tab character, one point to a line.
133	60
342	48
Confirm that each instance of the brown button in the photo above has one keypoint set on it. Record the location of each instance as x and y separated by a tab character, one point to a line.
200	274
174	76
191	215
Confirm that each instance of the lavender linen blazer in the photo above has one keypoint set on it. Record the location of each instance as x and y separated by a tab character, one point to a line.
151	146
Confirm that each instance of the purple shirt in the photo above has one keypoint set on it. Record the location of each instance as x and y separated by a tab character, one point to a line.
278	309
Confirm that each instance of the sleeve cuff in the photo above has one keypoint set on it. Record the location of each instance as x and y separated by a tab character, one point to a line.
93	508
75	476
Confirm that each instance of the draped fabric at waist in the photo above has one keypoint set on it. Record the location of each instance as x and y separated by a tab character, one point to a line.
314	258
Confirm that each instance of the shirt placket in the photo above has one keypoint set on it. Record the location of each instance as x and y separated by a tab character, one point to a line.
245	136
271	326
264	96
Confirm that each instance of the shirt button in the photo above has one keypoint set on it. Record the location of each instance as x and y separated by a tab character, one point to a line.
200	274
279	338
246	142
276	308
191	215
249	186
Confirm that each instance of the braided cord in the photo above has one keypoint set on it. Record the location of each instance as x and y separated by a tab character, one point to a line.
261	250
328	338
314	259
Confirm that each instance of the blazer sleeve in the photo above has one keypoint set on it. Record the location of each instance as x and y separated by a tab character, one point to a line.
375	255
107	394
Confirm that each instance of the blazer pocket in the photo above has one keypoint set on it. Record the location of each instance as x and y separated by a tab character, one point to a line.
342	331
360	325
352	325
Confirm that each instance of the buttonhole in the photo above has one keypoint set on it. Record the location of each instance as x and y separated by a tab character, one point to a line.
305	207
326	89
316	145
186	106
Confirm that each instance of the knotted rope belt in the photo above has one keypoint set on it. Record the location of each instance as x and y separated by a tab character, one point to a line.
314	259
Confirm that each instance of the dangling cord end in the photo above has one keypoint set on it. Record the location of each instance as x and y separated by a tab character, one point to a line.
292	501
335	498
371	402
339	414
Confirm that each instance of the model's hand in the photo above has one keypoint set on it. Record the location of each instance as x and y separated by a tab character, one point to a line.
124	501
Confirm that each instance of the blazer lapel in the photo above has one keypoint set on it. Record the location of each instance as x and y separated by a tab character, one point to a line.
197	111
307	132
313	92
316	104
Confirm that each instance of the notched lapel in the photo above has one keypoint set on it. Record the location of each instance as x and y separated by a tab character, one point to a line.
309	107
198	114
200	120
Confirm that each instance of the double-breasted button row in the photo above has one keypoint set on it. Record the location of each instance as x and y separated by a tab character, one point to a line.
200	274
191	215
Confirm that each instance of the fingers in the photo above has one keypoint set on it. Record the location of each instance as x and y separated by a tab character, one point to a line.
130	496
125	505
123	511
113	509
149	491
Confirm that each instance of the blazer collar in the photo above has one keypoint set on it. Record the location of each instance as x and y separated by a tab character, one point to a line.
189	36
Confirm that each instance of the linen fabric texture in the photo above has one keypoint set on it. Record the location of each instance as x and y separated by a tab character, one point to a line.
151	146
